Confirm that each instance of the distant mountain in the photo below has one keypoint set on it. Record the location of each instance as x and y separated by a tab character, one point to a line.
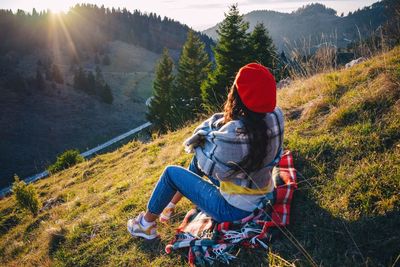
316	24
41	117
88	27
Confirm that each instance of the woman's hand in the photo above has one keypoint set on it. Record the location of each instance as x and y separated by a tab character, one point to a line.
194	141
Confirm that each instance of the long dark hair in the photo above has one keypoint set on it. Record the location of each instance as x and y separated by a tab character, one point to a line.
255	127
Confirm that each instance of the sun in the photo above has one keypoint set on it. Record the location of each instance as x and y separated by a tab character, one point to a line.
55	6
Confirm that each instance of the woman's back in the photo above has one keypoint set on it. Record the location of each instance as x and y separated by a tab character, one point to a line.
224	147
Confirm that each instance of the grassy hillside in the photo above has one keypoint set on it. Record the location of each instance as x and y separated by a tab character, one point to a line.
344	130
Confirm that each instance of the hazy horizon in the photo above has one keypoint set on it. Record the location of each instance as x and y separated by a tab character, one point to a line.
199	16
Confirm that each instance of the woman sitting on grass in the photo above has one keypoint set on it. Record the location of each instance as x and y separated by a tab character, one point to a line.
236	150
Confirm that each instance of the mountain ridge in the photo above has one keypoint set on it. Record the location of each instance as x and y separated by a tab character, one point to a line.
308	24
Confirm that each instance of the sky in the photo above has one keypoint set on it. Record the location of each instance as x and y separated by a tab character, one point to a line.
199	15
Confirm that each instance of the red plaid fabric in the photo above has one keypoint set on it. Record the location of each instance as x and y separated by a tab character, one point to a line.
284	192
209	241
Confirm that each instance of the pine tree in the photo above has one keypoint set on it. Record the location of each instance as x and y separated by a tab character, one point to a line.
102	88
39	80
106	60
93	84
99	77
160	107
230	54
96	59
106	94
56	74
193	69
79	79
48	74
90	87
261	47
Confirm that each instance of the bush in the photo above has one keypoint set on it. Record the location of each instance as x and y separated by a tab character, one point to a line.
26	196
106	60
66	160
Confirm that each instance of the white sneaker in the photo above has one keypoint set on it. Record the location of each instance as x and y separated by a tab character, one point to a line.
166	214
135	228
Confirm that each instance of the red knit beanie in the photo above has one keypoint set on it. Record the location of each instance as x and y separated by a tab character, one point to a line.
256	87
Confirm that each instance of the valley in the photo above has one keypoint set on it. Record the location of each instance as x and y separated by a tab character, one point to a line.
36	125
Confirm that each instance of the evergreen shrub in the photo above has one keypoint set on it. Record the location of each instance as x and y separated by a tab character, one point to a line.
26	196
66	160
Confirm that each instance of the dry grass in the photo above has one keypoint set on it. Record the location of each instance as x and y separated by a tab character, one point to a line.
343	128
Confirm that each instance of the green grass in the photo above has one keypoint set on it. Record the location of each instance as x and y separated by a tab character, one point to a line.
344	130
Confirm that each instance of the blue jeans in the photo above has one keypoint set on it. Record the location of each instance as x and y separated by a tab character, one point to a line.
203	194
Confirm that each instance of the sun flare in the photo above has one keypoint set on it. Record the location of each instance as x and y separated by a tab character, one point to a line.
55	6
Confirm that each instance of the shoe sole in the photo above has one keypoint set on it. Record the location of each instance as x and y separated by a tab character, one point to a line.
148	237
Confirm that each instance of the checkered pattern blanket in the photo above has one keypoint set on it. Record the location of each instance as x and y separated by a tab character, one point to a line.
208	242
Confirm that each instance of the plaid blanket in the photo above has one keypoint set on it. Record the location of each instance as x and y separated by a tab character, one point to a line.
208	242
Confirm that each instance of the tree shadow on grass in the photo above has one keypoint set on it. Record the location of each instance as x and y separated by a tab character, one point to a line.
155	248
8	222
333	241
36	223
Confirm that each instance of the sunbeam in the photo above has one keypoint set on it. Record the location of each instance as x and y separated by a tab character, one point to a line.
70	41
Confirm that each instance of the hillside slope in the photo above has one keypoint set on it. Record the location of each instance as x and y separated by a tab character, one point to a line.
344	130
68	117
